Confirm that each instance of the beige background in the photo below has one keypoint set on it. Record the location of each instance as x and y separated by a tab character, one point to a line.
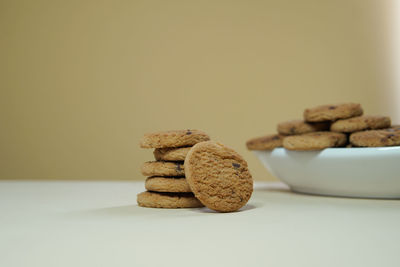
82	81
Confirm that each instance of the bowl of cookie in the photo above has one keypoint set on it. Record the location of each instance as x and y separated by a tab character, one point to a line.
335	150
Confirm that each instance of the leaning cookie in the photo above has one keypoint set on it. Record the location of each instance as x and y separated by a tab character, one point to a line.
376	138
168	200
294	127
267	142
332	112
163	168
360	123
314	141
167	184
177	138
395	127
218	176
171	154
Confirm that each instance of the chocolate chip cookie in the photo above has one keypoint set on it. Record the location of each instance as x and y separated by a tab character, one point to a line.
218	176
171	154
314	141
168	200
332	112
177	138
360	123
167	184
295	127
267	142
376	138
163	168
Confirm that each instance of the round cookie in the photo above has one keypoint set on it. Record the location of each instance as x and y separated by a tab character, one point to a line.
376	138
332	112
177	138
171	154
163	168
168	200
360	123
267	142
314	141
167	184
218	176
294	127
395	127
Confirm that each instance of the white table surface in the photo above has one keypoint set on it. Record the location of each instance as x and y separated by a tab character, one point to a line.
99	224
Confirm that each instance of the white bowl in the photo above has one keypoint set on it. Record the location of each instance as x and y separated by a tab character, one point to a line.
350	172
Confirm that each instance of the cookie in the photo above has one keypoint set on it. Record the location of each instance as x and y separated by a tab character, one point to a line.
360	123
171	154
267	142
167	184
395	127
376	138
168	200
294	127
177	138
314	141
163	168
332	112
218	176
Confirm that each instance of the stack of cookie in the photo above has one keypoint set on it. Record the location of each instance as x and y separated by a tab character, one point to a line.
331	126
166	183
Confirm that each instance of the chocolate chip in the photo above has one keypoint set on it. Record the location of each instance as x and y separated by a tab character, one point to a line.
236	165
188	132
292	130
275	137
178	167
332	107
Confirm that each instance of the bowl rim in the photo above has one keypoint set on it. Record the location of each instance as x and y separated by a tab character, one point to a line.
341	149
334	152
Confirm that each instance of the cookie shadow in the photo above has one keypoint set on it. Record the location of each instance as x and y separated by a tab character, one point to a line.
274	188
243	209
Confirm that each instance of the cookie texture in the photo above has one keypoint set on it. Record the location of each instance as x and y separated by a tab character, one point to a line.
376	138
267	142
163	168
218	176
294	127
178	138
168	200
167	184
360	123
332	112
171	154
314	141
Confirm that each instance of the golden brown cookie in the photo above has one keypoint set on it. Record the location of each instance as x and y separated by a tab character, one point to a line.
314	141
332	112
360	123
218	176
294	127
267	142
168	200
171	154
167	184
376	138
177	138
163	168
395	127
